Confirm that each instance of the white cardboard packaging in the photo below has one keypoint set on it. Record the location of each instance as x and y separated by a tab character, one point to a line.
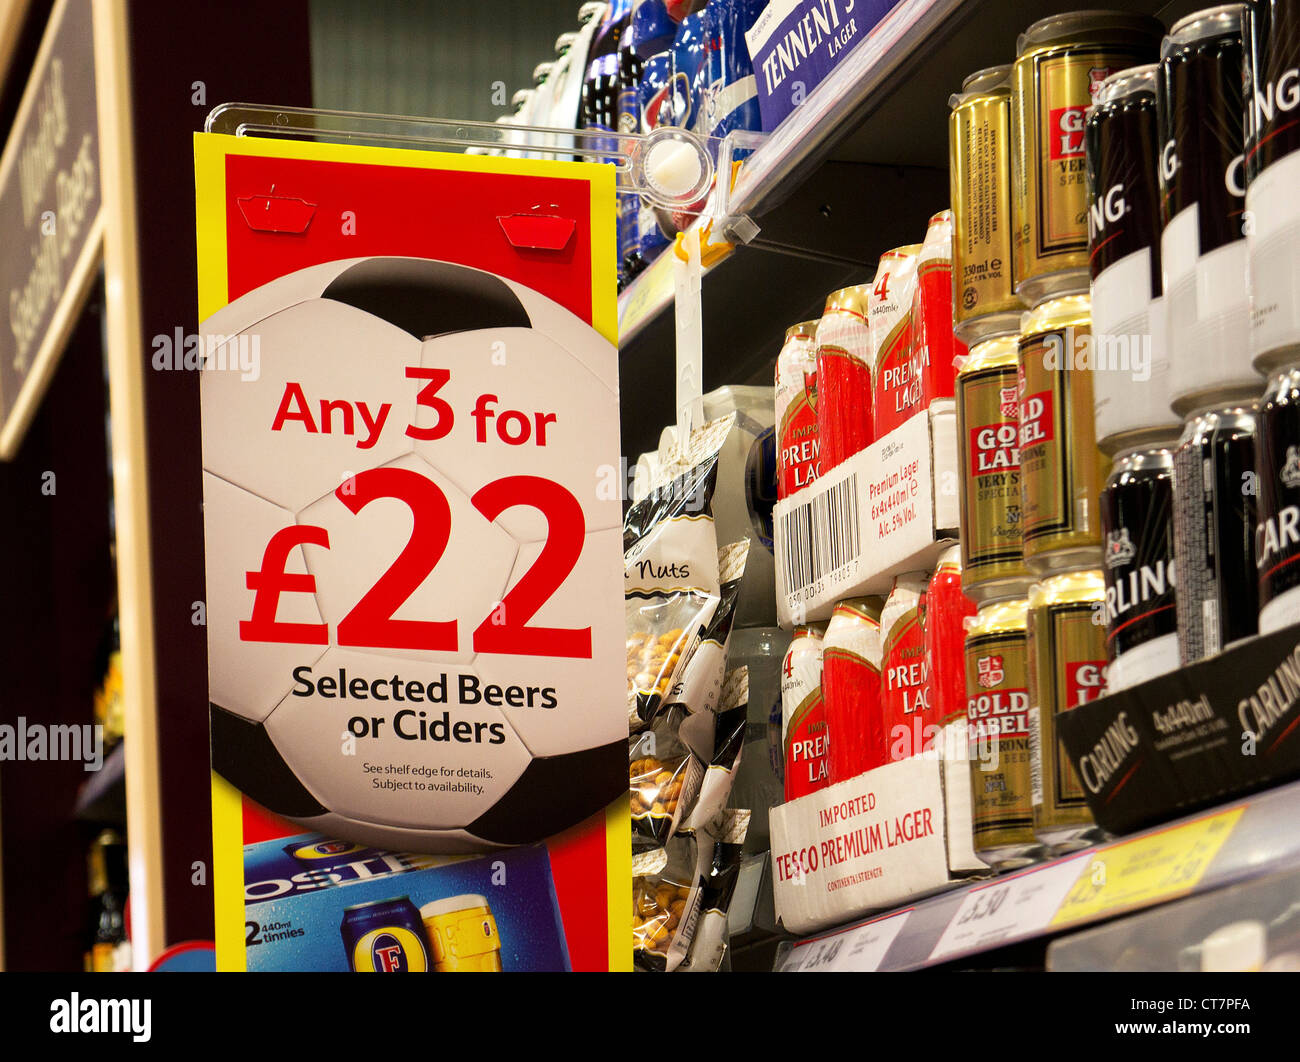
893	508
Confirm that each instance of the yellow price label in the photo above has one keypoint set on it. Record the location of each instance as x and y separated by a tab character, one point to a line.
1147	869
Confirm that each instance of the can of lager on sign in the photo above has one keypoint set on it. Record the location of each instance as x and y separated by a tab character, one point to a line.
984	302
804	734
1060	62
1067	662
1133	387
462	934
1272	83
897	391
988	451
1202	178
844	421
1137	518
946	611
851	654
326	854
930	337
1214	530
997	714
1277	539
385	936
1061	469
905	672
798	451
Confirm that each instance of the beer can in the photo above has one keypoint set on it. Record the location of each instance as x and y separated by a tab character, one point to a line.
798	449
984	302
385	936
988	453
804	734
1277	537
897	391
1215	500
1061	469
1132	396
930	335
1203	245
1066	640
327	854
851	656
905	673
844	421
1060	62
463	935
997	714
1137	518
946	611
1272	84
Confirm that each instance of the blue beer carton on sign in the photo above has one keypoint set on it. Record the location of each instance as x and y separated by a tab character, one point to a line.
795	44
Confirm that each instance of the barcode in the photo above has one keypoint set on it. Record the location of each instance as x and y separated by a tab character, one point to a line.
821	535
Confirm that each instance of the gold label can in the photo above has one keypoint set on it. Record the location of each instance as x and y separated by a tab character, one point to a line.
979	170
1067	661
997	717
1060	63
988	453
1061	469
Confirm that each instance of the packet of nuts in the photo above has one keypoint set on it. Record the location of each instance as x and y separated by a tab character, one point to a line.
670	567
664	775
709	941
701	679
707	809
667	886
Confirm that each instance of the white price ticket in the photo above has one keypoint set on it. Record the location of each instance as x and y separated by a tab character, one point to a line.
857	950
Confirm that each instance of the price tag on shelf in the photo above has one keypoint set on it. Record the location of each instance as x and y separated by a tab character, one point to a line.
1147	869
859	950
1007	909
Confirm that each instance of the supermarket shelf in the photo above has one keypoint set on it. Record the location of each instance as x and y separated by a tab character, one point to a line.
102	797
857	169
1236	842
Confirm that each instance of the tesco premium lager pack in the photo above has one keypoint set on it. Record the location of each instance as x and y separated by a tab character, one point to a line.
897	392
805	737
905	671
851	657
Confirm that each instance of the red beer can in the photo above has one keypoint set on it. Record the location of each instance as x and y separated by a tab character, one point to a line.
932	343
946	610
905	672
798	448
844	421
897	393
804	734
851	653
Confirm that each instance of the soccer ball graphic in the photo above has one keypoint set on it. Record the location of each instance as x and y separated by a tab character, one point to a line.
414	588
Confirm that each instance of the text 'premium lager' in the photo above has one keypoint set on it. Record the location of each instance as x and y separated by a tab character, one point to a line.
984	301
804	734
1060	63
997	714
897	391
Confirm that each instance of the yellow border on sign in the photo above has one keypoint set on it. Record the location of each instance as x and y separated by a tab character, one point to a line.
210	152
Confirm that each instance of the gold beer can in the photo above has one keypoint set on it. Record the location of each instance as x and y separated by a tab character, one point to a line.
997	718
1060	62
988	453
984	301
1067	660
1061	469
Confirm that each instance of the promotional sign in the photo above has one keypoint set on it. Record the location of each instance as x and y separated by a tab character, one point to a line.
50	214
413	525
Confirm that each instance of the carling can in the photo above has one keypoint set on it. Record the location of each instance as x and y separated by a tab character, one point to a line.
930	335
897	390
844	422
905	672
1137	518
385	936
997	734
984	301
1133	390
851	656
1215	500
1277	537
946	612
1203	185
1060	62
1061	469
798	449
988	453
1067	666
804	734
1272	83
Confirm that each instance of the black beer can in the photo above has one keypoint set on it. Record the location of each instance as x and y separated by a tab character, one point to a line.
1214	530
1277	538
1137	520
